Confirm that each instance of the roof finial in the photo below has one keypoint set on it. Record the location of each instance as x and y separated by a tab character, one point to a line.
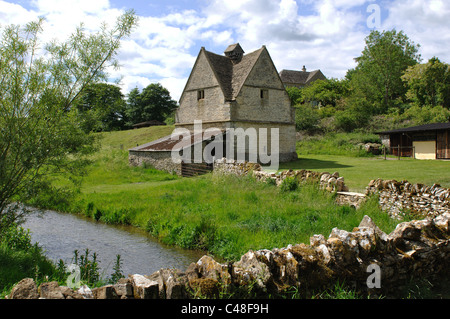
304	69
234	52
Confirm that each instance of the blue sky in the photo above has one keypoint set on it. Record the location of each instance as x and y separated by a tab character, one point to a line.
320	34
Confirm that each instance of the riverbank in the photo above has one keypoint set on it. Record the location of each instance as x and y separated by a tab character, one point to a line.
224	216
60	234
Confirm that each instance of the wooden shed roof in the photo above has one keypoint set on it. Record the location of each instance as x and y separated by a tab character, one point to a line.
420	128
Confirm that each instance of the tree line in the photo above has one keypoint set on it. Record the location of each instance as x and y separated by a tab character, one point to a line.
389	87
103	107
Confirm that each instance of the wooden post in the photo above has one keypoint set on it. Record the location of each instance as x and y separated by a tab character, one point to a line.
384	151
398	151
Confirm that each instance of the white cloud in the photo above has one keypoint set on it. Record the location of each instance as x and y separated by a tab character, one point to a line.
425	23
59	6
321	34
11	13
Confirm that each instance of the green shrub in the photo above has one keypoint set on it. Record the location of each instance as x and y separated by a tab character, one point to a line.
289	184
306	118
19	258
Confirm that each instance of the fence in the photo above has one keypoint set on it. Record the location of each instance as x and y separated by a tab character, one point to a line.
401	151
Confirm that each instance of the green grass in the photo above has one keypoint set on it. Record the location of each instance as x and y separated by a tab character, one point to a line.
132	138
20	259
342	152
358	171
224	215
342	144
227	216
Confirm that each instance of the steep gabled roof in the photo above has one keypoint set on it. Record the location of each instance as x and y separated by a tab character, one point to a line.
223	69
242	69
230	74
298	77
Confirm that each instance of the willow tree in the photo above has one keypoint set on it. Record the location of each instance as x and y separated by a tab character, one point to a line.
39	82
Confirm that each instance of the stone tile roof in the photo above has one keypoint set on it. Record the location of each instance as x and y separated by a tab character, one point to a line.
232	75
297	77
234	47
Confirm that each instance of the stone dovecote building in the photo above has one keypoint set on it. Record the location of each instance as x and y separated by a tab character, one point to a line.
230	91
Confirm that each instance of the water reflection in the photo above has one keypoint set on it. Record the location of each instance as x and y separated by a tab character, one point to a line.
60	234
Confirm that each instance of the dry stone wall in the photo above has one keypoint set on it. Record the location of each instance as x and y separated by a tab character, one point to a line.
330	182
398	198
416	249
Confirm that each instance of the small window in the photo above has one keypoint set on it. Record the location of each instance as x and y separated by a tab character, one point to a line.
264	94
200	94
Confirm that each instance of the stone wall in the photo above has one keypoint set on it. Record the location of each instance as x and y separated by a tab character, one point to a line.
419	200
396	198
419	249
330	182
415	250
159	160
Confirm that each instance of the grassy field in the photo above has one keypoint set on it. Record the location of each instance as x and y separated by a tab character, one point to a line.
358	171
227	216
343	152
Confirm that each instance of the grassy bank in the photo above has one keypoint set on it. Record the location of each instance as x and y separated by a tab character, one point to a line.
20	259
340	144
225	216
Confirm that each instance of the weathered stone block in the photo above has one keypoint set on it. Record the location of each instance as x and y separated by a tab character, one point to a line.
144	288
124	288
50	290
24	289
105	292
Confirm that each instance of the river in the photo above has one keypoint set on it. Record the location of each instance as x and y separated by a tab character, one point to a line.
60	234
